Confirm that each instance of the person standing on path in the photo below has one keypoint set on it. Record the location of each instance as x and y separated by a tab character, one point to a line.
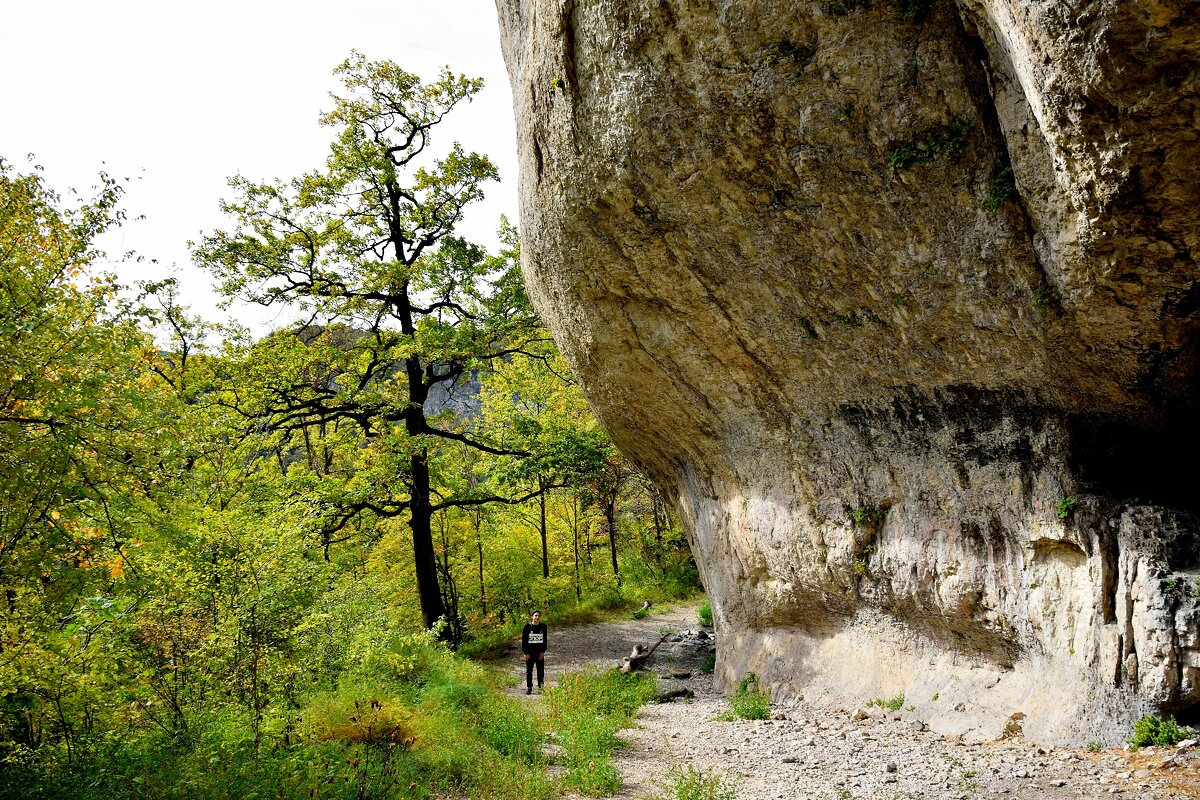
533	645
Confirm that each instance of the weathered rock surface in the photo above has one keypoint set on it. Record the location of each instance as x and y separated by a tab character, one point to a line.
900	299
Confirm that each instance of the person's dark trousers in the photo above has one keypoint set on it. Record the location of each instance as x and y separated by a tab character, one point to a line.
541	671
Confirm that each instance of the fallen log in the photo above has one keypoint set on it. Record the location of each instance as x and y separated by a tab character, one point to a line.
667	695
637	659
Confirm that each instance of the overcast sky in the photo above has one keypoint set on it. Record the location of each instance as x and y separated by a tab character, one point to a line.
181	95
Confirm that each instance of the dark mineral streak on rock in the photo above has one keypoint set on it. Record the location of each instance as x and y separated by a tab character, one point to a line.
903	309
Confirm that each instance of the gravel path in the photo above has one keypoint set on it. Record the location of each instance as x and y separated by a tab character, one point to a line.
811	753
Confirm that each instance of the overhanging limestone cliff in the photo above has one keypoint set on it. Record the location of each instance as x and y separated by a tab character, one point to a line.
900	299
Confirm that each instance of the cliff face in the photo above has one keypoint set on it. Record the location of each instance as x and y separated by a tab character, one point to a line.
900	298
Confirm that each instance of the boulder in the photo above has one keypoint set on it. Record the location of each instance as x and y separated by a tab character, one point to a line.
898	299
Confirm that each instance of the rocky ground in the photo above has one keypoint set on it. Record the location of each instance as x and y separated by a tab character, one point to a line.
821	753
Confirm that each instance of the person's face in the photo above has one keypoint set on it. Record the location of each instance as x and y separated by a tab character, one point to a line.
537	617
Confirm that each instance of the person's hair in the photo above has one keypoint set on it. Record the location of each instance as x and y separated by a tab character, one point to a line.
535	611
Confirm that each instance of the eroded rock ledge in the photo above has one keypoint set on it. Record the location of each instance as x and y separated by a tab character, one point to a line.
900	297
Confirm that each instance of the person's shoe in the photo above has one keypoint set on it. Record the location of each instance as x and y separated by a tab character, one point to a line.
528	690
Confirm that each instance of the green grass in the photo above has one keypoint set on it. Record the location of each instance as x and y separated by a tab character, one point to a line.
584	712
709	664
689	783
440	726
748	702
704	614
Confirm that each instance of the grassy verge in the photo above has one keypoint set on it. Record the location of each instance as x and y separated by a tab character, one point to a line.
584	712
416	722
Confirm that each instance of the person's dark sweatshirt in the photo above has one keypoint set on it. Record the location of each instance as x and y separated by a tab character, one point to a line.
533	638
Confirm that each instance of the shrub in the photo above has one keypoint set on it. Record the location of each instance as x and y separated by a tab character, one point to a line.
1151	730
705	614
709	664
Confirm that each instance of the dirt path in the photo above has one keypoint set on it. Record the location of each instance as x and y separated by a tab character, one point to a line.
810	753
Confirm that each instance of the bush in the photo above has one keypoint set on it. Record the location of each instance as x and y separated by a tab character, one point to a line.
689	783
709	664
1151	730
705	614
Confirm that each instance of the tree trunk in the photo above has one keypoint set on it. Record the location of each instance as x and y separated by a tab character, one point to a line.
575	542
542	529
424	558
610	515
476	519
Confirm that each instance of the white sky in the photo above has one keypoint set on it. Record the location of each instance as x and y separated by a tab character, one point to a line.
181	95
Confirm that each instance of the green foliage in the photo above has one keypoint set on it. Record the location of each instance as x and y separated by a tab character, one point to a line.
807	327
704	614
1095	746
914	10
1001	187
1151	730
709	664
206	550
585	711
750	701
1065	508
891	704
1045	299
866	516
948	140
689	783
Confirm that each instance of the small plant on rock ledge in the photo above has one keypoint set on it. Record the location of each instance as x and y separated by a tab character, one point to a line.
1001	187
1065	508
914	10
1045	300
866	516
949	140
704	614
